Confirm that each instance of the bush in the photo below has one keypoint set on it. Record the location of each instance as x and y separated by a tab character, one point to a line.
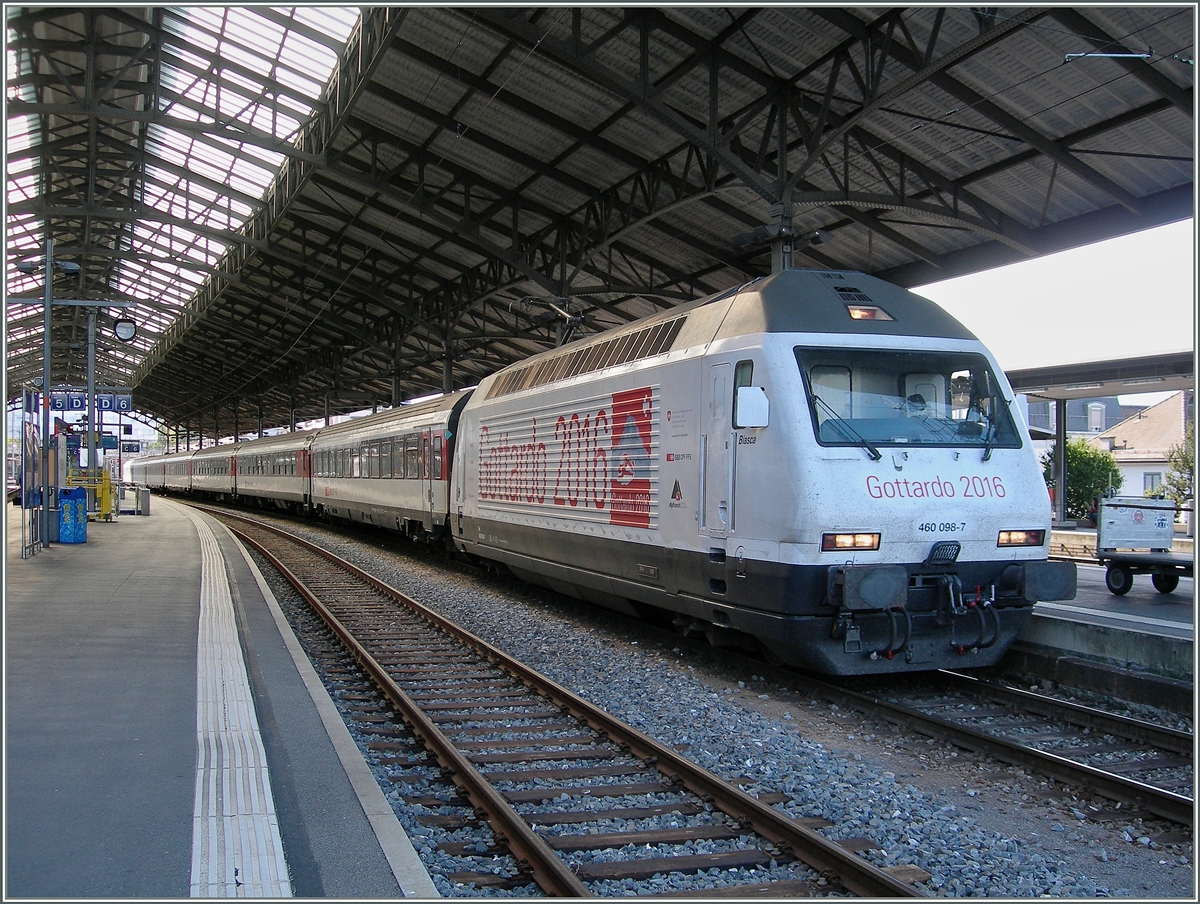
1177	485
1091	472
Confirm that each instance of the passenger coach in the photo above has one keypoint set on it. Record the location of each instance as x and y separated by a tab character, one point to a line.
391	469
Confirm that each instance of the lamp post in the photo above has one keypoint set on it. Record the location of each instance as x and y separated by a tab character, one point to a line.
125	330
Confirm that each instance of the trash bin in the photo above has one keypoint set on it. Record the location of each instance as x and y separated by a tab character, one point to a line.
72	515
143	501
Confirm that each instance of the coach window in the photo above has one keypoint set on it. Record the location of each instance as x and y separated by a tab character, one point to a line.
437	457
412	469
385	459
355	462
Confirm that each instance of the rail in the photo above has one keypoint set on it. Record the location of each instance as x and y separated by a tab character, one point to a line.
1162	802
810	848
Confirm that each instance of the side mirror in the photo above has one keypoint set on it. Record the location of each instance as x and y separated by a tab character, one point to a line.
751	408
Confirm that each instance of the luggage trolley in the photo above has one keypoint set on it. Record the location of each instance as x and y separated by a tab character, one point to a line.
1134	536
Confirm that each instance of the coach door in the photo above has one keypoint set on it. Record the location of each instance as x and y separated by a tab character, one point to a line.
715	449
427	478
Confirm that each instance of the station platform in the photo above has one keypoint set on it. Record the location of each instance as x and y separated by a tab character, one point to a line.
1139	647
164	736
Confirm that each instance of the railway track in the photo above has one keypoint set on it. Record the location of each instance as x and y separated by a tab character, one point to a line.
1113	756
552	774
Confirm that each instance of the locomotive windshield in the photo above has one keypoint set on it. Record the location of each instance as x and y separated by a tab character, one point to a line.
867	397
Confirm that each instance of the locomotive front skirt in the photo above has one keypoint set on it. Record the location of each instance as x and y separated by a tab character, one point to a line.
817	463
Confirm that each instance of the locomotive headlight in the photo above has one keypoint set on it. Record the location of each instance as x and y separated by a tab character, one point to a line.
1021	538
834	542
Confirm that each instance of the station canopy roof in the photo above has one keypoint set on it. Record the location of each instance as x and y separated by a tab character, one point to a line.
318	209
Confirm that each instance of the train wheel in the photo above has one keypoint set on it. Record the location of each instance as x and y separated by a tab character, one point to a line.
1165	583
1119	579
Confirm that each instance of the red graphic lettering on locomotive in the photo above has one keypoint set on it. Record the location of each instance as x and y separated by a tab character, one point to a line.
631	435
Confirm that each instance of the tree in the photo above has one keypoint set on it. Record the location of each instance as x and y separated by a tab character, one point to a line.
1181	461
1090	473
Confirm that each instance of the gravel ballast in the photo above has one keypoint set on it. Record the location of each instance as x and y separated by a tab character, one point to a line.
976	826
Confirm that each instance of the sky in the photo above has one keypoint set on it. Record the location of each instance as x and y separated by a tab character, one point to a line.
1124	297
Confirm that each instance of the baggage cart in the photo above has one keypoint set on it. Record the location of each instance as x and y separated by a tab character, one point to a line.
1134	536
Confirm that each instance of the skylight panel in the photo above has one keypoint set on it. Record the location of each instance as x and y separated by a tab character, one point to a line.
252	61
336	22
226	68
299	83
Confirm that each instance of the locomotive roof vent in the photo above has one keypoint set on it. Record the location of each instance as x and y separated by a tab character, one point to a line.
850	293
647	342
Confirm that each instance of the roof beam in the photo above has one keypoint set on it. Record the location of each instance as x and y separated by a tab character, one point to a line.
850	23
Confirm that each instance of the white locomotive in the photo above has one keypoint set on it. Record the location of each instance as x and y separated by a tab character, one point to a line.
817	460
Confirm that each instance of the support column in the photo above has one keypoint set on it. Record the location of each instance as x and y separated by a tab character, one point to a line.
397	396
91	407
47	300
326	409
448	367
237	431
260	419
1060	461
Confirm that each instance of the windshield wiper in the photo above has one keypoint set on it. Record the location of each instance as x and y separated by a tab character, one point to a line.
847	431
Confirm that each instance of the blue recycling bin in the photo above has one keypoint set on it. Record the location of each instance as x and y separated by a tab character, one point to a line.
72	515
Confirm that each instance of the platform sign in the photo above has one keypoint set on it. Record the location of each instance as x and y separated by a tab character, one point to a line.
58	401
108	441
131	447
76	401
123	403
104	401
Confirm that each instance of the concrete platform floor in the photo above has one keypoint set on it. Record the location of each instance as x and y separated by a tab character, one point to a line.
101	654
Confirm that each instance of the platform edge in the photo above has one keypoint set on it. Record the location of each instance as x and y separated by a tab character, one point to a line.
410	874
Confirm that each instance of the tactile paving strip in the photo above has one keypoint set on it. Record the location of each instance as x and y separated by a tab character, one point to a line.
236	846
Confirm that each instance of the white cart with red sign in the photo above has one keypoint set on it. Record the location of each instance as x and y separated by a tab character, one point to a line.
1134	536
